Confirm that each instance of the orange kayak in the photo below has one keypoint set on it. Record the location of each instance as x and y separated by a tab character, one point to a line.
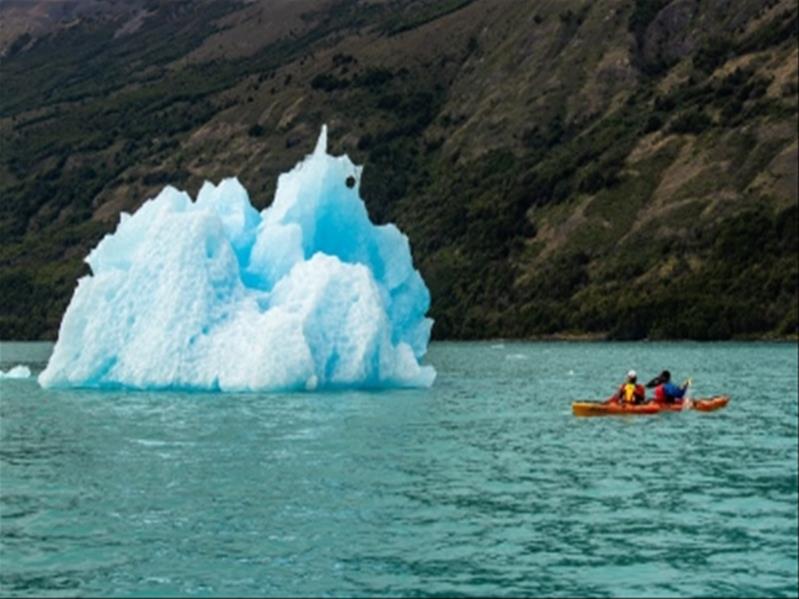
707	404
601	408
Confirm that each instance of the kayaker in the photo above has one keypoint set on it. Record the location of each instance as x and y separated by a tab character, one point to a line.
631	392
665	390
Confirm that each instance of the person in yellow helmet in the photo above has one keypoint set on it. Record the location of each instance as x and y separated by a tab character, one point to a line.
630	391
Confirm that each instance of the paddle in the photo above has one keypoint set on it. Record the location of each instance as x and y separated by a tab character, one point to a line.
687	401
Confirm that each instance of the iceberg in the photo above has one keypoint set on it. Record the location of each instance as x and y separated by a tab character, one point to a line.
213	295
18	372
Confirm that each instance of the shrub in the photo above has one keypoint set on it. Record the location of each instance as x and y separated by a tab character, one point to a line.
327	82
373	78
692	121
653	123
714	53
644	12
255	131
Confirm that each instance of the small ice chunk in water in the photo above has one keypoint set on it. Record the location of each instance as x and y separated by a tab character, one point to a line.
18	372
307	294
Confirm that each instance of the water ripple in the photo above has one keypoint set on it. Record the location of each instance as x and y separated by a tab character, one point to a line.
484	485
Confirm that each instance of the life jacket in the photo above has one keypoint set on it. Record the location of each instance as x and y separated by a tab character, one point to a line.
663	397
630	391
660	393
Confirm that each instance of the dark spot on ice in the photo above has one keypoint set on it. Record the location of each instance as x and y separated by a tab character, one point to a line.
350	181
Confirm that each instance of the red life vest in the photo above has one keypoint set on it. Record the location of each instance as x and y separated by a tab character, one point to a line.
660	393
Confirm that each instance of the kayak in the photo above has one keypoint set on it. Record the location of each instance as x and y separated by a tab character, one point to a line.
601	408
707	404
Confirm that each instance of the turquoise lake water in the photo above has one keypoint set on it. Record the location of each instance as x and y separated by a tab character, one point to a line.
483	485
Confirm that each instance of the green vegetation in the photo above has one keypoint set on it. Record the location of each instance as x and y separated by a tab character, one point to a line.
691	121
644	12
417	14
655	214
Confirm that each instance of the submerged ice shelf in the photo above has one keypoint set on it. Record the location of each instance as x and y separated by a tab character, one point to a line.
213	294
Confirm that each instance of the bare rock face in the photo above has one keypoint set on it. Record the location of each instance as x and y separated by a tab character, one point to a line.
23	22
681	27
672	34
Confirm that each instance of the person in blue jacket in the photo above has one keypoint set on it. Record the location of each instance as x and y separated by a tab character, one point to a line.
665	390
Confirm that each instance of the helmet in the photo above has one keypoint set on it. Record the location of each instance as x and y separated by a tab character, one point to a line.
632	374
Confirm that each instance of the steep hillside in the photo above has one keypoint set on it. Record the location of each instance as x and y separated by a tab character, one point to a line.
609	168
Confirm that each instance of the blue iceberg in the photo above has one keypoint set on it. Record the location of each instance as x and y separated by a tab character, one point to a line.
212	294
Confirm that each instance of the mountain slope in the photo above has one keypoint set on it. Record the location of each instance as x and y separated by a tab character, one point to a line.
606	168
